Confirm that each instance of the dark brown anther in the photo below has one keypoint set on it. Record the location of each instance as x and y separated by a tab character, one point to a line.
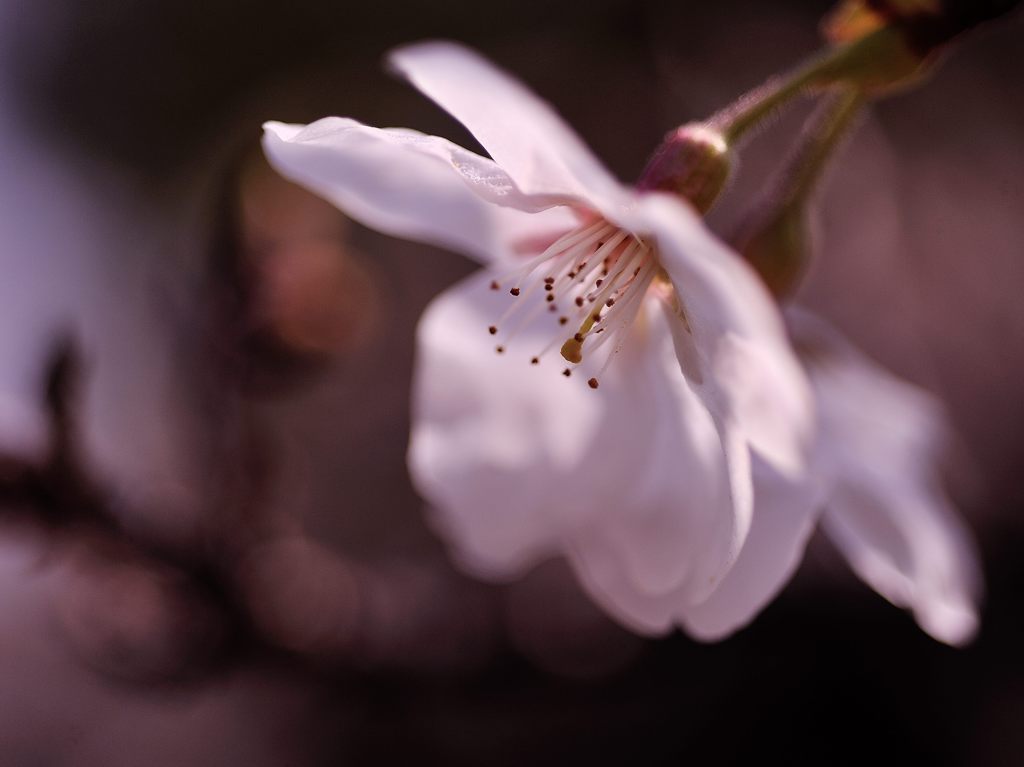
495	285
572	275
550	297
595	317
549	280
599	330
599	245
592	383
610	302
562	320
567	372
599	283
535	361
514	291
552	308
578	338
579	300
499	349
492	330
548	286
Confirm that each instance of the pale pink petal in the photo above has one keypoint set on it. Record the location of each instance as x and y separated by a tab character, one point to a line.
677	530
522	463
784	520
785	513
729	336
888	514
499	447
521	132
414	186
912	549
599	569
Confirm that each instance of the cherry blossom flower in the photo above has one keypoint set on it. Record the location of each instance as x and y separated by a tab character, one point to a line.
641	471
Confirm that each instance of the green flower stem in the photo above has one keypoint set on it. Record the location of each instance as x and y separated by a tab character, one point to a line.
877	61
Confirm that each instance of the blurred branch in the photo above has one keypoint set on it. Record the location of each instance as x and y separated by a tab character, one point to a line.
60	497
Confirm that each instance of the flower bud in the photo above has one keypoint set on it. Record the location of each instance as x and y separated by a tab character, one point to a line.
775	241
776	245
694	161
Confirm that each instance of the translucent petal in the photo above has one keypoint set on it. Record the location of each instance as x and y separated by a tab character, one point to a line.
523	134
499	447
785	513
414	186
888	514
729	336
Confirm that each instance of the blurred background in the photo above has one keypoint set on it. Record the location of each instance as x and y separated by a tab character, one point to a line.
210	551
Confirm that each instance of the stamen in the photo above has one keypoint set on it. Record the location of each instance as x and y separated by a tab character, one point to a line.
572	350
625	313
576	267
495	285
569	241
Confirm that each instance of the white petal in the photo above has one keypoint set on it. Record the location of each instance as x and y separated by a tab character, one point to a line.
888	514
679	529
498	446
911	548
784	516
731	342
415	186
786	513
521	463
521	132
599	568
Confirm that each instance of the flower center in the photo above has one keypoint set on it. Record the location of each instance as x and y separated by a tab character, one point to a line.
593	279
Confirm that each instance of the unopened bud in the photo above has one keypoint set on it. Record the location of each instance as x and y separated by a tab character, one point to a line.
776	238
777	246
694	161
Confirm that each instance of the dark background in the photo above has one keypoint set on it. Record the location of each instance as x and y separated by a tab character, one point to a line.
219	558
